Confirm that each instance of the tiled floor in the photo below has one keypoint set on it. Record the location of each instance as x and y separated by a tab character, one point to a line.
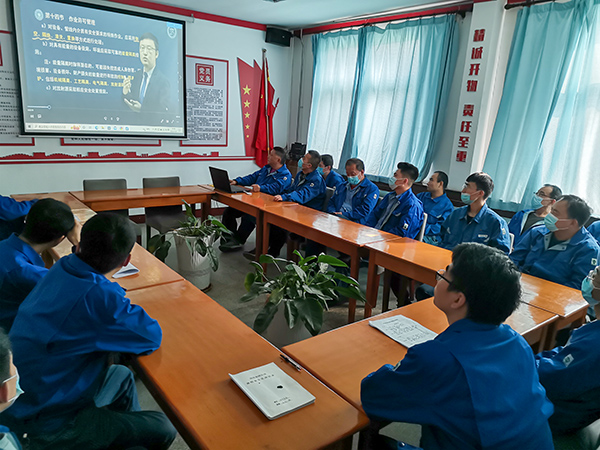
227	286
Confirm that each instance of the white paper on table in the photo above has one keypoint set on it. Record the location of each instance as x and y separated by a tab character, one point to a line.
126	271
403	330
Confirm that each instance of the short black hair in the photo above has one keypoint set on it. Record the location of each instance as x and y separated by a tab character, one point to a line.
483	182
279	151
489	280
409	171
48	220
577	209
443	178
150	36
106	240
555	193
327	160
360	165
315	158
5	352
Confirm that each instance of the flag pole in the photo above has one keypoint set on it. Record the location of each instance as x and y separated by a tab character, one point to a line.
266	81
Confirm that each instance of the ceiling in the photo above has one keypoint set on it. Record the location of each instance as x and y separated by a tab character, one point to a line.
293	14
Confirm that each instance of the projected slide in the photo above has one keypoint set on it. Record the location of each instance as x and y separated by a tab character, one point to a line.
99	72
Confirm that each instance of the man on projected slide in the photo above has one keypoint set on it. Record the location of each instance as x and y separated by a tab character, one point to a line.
148	90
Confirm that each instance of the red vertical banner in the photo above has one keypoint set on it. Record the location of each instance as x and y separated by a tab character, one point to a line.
266	110
250	84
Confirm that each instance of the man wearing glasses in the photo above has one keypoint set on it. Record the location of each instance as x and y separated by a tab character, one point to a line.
475	385
541	202
148	90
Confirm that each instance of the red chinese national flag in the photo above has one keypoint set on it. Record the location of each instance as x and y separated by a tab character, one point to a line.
249	95
266	110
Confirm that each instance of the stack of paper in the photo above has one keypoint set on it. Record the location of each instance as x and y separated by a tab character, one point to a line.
272	390
403	330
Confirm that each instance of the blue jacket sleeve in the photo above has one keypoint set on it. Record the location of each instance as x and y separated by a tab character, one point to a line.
362	207
305	193
337	200
500	238
519	253
248	179
26	277
581	264
10	209
279	185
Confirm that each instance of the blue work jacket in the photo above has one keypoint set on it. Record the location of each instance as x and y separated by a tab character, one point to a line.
20	270
438	209
486	227
406	218
516	224
570	376
308	190
273	183
364	199
566	263
62	337
334	180
594	230
474	386
11	215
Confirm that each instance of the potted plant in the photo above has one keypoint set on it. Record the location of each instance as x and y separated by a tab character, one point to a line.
194	240
299	292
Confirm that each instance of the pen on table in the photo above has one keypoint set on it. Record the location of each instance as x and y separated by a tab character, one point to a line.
292	363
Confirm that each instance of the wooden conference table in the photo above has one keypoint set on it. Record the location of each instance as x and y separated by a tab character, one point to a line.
421	261
341	358
188	376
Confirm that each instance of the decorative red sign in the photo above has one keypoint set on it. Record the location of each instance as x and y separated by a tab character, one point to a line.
465	126
463	141
474	70
468	110
479	35
476	52
472	86
461	156
204	74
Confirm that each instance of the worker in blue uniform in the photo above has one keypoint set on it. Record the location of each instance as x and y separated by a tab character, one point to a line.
21	266
400	212
437	205
62	340
594	230
475	385
12	215
475	222
332	178
10	390
273	179
354	199
541	204
563	251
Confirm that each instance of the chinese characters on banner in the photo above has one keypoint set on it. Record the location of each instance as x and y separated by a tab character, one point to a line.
207	101
466	128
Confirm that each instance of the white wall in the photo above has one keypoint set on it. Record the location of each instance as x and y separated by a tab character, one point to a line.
205	39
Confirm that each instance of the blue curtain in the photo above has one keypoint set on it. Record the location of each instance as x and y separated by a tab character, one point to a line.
547	123
400	88
333	89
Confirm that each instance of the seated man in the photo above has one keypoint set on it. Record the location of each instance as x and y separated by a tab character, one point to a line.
594	230
9	391
541	203
21	266
400	212
332	178
12	214
273	179
308	189
63	337
569	373
475	385
354	199
563	251
437	205
475	222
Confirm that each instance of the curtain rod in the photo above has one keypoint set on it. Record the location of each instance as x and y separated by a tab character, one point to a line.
525	3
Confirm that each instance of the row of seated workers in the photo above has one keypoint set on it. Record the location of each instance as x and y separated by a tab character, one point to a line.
69	330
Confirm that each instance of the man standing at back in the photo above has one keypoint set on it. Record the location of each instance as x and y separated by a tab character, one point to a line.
437	205
475	222
62	339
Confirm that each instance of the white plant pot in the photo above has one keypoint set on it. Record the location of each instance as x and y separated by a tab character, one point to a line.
279	333
192	266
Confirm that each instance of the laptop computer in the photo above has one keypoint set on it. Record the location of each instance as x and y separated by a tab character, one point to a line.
220	180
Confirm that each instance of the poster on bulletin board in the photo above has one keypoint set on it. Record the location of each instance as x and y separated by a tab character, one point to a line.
207	101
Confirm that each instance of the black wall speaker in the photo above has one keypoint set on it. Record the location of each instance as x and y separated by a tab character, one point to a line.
278	36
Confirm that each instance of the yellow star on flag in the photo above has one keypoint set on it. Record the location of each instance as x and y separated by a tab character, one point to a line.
247	127
247	136
246	104
246	90
247	115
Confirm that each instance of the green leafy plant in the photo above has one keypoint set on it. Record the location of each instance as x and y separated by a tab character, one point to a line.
205	233
302	288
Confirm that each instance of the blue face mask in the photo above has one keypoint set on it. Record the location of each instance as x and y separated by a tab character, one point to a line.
354	180
320	170
536	201
550	222
465	198
19	391
300	164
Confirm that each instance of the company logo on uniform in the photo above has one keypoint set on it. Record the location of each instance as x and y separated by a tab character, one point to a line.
405	226
375	196
568	360
312	184
594	261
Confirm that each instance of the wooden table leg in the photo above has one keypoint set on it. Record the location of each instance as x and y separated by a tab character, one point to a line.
372	287
205	211
265	242
259	234
354	266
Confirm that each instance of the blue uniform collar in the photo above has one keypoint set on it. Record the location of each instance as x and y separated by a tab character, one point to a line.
437	199
479	215
404	196
582	235
467	324
26	249
75	266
